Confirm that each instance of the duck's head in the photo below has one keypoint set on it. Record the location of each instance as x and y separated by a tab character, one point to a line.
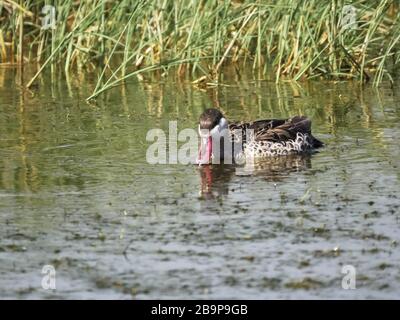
212	124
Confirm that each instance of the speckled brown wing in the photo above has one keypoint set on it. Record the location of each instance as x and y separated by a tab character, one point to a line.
285	131
288	131
257	127
277	130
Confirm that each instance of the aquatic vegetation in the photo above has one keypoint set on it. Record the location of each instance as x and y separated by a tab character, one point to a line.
77	193
196	38
305	284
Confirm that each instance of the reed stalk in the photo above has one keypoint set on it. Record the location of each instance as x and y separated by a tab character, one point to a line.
289	39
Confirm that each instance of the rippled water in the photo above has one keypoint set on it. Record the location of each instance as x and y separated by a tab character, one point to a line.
77	193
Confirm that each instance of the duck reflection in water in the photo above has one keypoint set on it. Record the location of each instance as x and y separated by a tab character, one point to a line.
215	179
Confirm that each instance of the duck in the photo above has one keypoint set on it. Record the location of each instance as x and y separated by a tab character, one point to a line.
235	142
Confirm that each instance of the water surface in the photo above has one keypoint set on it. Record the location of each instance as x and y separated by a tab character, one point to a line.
77	193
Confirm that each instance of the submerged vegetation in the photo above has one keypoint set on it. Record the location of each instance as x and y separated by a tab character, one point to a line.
290	39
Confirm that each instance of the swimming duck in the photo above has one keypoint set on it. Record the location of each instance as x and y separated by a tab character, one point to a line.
229	142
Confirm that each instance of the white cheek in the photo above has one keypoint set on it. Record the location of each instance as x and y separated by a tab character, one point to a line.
204	133
215	130
223	124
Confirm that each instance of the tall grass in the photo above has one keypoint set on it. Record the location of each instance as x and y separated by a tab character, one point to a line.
195	38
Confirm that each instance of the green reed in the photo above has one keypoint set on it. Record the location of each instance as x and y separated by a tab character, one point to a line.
196	38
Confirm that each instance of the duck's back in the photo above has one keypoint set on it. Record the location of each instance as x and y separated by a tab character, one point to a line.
275	136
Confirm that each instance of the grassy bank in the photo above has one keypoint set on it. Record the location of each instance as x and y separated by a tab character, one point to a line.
195	38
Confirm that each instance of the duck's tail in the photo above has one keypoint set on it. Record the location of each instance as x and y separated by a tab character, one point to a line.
316	143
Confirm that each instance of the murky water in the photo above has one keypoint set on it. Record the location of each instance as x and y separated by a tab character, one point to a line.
77	193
